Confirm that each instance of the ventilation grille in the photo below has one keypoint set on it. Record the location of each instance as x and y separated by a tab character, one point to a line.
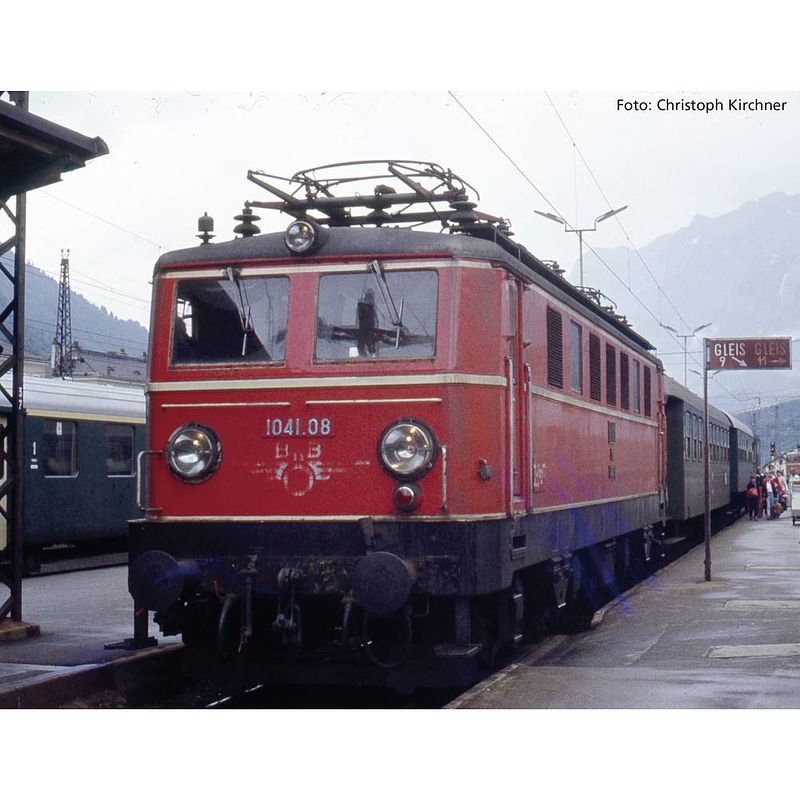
595	388
624	382
555	349
611	375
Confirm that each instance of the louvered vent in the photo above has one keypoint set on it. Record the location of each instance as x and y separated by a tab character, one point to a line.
555	349
624	382
647	391
595	388
611	375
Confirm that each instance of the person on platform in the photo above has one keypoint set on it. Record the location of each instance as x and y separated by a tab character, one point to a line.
751	493
766	488
760	487
783	492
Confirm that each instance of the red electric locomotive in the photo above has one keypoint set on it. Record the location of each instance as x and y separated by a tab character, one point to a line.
380	454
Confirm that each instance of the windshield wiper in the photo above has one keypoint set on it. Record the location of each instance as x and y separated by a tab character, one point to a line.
396	316
245	312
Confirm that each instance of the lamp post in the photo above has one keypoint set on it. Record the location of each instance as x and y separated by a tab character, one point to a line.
579	231
685	337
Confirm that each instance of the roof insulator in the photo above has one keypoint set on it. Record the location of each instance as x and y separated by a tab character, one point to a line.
205	225
464	214
247	220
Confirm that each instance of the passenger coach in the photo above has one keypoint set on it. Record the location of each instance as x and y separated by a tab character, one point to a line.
80	444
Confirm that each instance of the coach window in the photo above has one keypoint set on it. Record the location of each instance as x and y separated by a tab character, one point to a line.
696	436
576	349
377	313
698	450
119	451
231	319
58	456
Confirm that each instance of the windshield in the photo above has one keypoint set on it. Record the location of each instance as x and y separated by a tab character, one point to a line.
230	320
377	314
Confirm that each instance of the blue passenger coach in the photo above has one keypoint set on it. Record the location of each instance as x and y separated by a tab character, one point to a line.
80	445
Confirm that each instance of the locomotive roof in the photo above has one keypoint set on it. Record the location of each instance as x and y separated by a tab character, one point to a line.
84	397
383	241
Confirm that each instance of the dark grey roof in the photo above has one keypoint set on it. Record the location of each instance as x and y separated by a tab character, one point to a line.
109	365
34	151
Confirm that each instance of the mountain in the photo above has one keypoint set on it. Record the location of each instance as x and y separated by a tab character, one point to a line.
94	327
739	271
779	423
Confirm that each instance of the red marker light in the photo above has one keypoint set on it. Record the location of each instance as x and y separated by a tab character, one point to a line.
407	497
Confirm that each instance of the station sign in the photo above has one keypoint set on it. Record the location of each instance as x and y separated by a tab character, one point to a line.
774	352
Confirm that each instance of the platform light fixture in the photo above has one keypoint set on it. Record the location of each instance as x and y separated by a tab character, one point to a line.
685	337
580	231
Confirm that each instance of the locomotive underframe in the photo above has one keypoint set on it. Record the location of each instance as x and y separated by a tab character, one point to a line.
475	584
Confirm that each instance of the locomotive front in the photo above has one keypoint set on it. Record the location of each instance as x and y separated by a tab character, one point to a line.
316	479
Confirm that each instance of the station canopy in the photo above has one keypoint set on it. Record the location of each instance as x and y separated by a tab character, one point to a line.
35	152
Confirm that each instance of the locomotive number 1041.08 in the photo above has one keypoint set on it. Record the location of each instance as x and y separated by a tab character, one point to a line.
297	426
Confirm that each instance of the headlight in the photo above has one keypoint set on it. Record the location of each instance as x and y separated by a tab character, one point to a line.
301	237
194	453
407	449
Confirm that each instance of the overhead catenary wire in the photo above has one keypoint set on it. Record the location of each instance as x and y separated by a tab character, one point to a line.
508	157
104	220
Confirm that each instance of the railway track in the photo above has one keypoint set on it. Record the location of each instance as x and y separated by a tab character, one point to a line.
156	679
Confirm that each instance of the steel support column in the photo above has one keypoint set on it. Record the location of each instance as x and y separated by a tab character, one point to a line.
12	361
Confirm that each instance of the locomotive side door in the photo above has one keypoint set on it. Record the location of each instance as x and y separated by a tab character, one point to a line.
515	391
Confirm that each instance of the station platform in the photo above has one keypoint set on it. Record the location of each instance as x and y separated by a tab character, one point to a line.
69	618
677	641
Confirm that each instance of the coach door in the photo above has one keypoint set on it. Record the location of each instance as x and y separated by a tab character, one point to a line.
515	400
